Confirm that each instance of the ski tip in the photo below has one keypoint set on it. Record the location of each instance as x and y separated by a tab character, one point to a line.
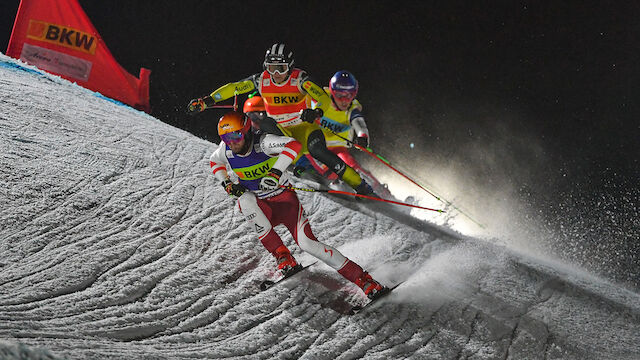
292	271
266	284
384	291
381	294
354	310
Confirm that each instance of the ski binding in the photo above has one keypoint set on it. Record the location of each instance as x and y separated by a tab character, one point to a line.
267	284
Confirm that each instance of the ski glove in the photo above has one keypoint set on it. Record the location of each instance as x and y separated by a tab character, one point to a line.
271	181
233	189
310	115
198	105
362	141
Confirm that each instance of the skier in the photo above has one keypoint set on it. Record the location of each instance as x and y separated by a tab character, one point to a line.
259	160
255	110
342	122
285	91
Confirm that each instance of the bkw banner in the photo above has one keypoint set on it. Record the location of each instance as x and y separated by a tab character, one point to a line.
57	36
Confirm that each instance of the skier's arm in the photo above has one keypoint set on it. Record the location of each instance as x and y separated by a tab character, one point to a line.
231	89
284	147
315	91
359	125
218	162
224	92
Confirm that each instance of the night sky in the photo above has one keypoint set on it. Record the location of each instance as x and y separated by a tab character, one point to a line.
540	98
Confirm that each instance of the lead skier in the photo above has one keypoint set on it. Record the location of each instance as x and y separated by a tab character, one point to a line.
260	161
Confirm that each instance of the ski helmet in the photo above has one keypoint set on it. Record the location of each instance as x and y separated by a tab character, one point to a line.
278	59
233	127
343	85
254	103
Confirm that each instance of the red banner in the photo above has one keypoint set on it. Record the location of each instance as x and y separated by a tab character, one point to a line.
57	36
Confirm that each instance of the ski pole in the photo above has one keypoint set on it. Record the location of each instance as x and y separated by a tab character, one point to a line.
291	187
388	164
220	106
384	161
216	106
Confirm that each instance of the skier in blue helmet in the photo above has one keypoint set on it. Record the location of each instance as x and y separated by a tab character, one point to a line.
343	125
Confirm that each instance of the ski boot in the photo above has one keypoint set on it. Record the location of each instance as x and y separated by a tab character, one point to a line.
365	189
286	262
370	287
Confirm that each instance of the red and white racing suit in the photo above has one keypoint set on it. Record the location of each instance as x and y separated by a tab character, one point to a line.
266	209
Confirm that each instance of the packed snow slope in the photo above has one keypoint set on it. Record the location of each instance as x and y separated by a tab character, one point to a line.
117	243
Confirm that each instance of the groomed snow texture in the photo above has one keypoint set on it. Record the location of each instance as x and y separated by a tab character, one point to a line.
116	242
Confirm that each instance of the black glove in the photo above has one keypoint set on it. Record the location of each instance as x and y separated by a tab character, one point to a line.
233	189
310	115
362	141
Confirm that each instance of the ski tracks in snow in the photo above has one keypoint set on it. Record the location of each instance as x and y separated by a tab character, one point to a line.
117	242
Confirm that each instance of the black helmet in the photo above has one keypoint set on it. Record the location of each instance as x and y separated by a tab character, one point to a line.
277	54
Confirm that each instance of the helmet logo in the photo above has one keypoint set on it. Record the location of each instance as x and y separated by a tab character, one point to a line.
344	87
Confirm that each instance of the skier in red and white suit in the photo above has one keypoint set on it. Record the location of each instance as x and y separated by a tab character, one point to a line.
260	160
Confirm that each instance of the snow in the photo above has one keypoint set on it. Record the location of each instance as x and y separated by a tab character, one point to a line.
117	242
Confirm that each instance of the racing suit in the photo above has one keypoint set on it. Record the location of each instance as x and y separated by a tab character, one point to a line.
340	127
266	209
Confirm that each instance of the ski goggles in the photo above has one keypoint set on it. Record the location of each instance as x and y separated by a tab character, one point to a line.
343	95
233	137
276	68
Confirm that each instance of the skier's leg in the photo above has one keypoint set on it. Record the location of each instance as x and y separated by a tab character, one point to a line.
288	211
320	168
344	154
295	219
258	214
318	149
332	257
270	126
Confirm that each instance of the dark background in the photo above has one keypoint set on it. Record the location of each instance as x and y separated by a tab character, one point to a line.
537	103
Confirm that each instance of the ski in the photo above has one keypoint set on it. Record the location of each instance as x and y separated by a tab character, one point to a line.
383	293
267	284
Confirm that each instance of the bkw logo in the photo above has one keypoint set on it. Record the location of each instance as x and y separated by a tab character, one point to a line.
285	100
63	36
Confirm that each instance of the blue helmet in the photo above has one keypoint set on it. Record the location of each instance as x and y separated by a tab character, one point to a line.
343	85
